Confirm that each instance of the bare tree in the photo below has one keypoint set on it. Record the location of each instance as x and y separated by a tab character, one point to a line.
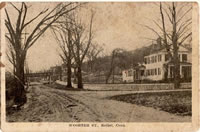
116	53
63	34
92	54
82	42
20	48
175	29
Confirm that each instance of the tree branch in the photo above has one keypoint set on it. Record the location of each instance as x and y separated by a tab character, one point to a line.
33	19
90	37
183	15
14	6
185	38
46	18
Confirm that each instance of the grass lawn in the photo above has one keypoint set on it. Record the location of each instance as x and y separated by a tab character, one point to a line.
176	102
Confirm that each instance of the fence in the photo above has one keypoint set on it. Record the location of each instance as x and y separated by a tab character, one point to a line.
136	87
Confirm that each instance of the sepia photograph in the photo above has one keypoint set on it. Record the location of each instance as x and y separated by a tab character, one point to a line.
78	62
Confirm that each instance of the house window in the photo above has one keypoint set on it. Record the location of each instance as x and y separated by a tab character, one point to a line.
186	71
166	57
152	59
145	60
159	71
152	72
142	72
148	72
130	73
155	58
184	57
148	60
159	58
155	71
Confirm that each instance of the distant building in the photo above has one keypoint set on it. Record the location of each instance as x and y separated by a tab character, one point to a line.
64	72
60	72
157	66
56	73
127	75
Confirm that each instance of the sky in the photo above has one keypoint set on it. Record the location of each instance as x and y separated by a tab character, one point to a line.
116	25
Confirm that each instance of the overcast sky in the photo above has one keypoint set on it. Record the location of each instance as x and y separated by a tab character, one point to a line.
116	25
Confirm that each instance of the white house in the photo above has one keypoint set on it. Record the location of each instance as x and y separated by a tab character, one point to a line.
158	65
127	75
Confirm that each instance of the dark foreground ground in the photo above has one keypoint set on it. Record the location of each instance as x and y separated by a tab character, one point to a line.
176	102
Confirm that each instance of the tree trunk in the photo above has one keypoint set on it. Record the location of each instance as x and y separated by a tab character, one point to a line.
60	74
166	72
175	49
110	73
111	67
176	70
113	80
91	66
69	74
75	75
20	95
79	77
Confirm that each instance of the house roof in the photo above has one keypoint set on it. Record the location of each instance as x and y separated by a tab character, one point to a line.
158	48
139	67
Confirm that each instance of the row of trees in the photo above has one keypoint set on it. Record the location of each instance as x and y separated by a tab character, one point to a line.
16	26
75	39
74	36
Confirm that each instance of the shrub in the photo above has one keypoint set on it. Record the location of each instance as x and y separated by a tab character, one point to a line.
10	86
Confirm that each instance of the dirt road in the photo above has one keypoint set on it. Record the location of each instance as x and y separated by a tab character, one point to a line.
46	104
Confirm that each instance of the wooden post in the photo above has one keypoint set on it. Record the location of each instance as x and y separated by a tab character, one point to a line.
49	79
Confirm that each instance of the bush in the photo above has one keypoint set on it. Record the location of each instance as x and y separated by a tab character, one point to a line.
10	86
